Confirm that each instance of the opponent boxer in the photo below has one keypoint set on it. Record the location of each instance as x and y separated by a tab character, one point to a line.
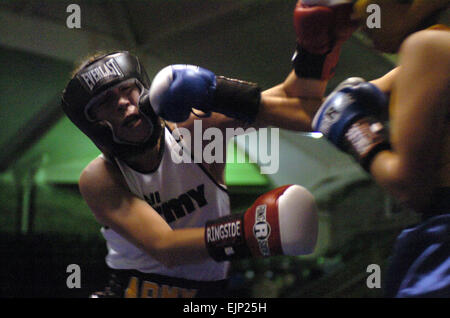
411	159
168	226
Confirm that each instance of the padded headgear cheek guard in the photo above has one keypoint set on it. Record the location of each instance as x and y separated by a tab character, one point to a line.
90	83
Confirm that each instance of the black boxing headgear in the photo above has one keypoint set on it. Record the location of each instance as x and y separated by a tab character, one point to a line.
92	82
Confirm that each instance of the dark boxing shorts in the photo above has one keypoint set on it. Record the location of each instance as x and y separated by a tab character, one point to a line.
420	263
135	284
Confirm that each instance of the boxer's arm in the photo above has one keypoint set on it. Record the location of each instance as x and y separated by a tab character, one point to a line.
291	104
321	28
386	82
116	207
292	113
282	221
177	89
420	108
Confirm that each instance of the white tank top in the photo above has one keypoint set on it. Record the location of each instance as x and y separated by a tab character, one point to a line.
186	196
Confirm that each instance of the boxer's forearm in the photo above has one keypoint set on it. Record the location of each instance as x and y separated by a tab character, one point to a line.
291	104
294	86
287	113
409	187
386	82
386	169
181	246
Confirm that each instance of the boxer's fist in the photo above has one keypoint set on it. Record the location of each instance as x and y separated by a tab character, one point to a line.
321	26
176	89
313	28
349	119
282	221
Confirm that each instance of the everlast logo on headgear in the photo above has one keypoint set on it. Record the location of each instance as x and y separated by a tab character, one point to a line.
107	70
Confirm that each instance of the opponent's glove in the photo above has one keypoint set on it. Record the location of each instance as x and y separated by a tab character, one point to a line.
281	221
349	119
176	89
322	26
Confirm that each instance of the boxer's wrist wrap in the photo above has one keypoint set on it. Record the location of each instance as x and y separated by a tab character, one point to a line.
308	65
225	238
237	99
364	139
316	66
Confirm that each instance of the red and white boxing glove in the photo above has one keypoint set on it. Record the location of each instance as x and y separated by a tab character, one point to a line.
322	26
282	221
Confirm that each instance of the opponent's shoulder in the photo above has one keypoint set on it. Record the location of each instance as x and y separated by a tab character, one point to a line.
425	57
430	44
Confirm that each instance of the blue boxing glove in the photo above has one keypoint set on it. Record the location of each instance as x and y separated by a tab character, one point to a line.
176	89
349	118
